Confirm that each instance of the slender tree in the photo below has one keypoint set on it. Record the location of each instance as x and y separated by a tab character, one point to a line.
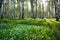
42	11
36	9
32	8
1	3
52	8
1	15
56	12
48	9
13	15
19	6
22	9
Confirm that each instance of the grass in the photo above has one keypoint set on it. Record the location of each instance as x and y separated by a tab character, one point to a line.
29	29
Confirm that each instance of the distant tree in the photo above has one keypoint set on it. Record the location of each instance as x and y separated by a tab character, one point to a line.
42	11
36	9
22	9
1	1
56	12
13	15
52	8
48	9
32	8
19	7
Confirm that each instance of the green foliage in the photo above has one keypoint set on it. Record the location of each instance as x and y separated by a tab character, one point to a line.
29	29
26	32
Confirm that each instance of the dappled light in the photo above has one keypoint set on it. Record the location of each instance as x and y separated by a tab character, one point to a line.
29	19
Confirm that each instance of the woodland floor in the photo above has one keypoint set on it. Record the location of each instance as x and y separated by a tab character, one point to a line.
29	29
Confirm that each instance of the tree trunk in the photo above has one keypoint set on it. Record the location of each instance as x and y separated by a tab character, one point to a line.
1	3
1	9
32	9
42	11
22	9
36	9
13	15
56	12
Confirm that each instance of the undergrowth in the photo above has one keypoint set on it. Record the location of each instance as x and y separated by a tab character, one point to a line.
29	29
